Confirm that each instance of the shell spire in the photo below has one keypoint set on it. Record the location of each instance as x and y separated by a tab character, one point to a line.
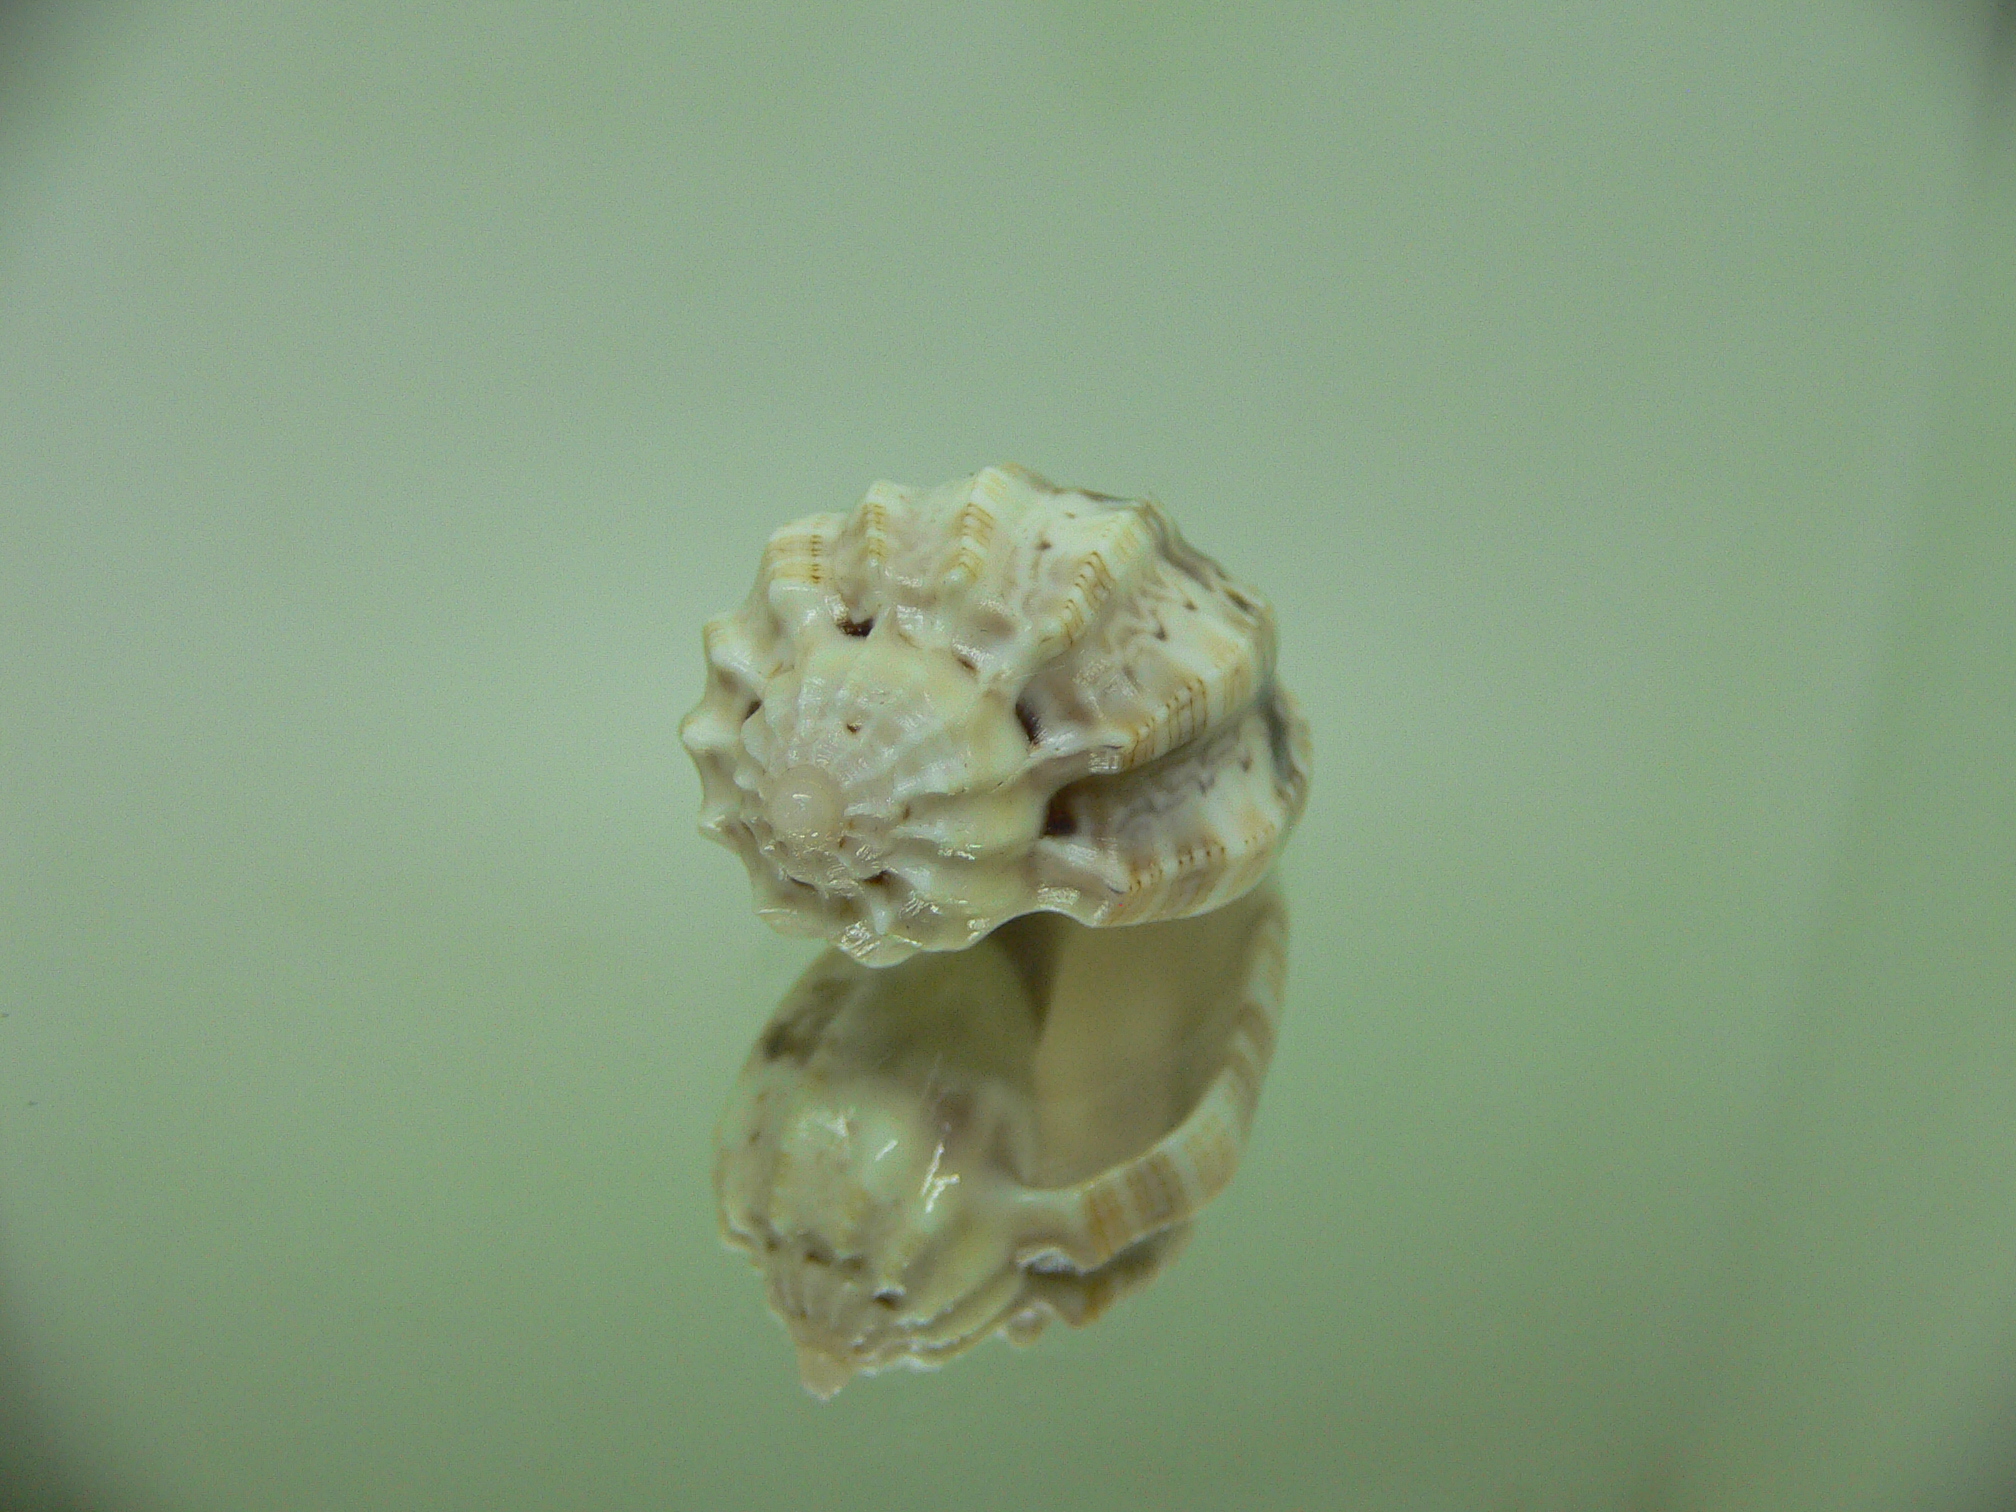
955	705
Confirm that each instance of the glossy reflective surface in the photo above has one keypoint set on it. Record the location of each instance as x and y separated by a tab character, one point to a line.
981	1142
386	395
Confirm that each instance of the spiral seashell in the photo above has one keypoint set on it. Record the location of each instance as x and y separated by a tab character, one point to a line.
957	705
968	1144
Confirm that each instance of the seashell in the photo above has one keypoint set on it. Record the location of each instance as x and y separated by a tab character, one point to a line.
920	1157
957	705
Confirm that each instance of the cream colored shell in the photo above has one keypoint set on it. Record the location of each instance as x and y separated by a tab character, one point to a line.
957	705
968	1144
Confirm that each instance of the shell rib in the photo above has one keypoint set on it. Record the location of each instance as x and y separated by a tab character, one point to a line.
957	705
971	1144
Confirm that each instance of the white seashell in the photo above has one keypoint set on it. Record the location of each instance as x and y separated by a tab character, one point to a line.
967	1144
955	706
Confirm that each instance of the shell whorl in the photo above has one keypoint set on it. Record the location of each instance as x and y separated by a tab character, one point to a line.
952	706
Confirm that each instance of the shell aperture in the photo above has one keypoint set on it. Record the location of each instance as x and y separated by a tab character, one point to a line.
923	1156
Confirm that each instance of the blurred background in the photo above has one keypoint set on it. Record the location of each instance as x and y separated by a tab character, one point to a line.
1617	404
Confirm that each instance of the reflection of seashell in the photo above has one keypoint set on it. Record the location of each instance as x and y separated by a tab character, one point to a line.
955	706
969	1144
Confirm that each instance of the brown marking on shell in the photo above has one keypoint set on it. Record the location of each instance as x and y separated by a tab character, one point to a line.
872	521
1058	820
973	529
1032	727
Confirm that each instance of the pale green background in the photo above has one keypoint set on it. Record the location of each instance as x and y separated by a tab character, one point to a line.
387	392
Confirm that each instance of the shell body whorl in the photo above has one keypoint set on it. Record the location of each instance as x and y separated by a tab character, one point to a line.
953	706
